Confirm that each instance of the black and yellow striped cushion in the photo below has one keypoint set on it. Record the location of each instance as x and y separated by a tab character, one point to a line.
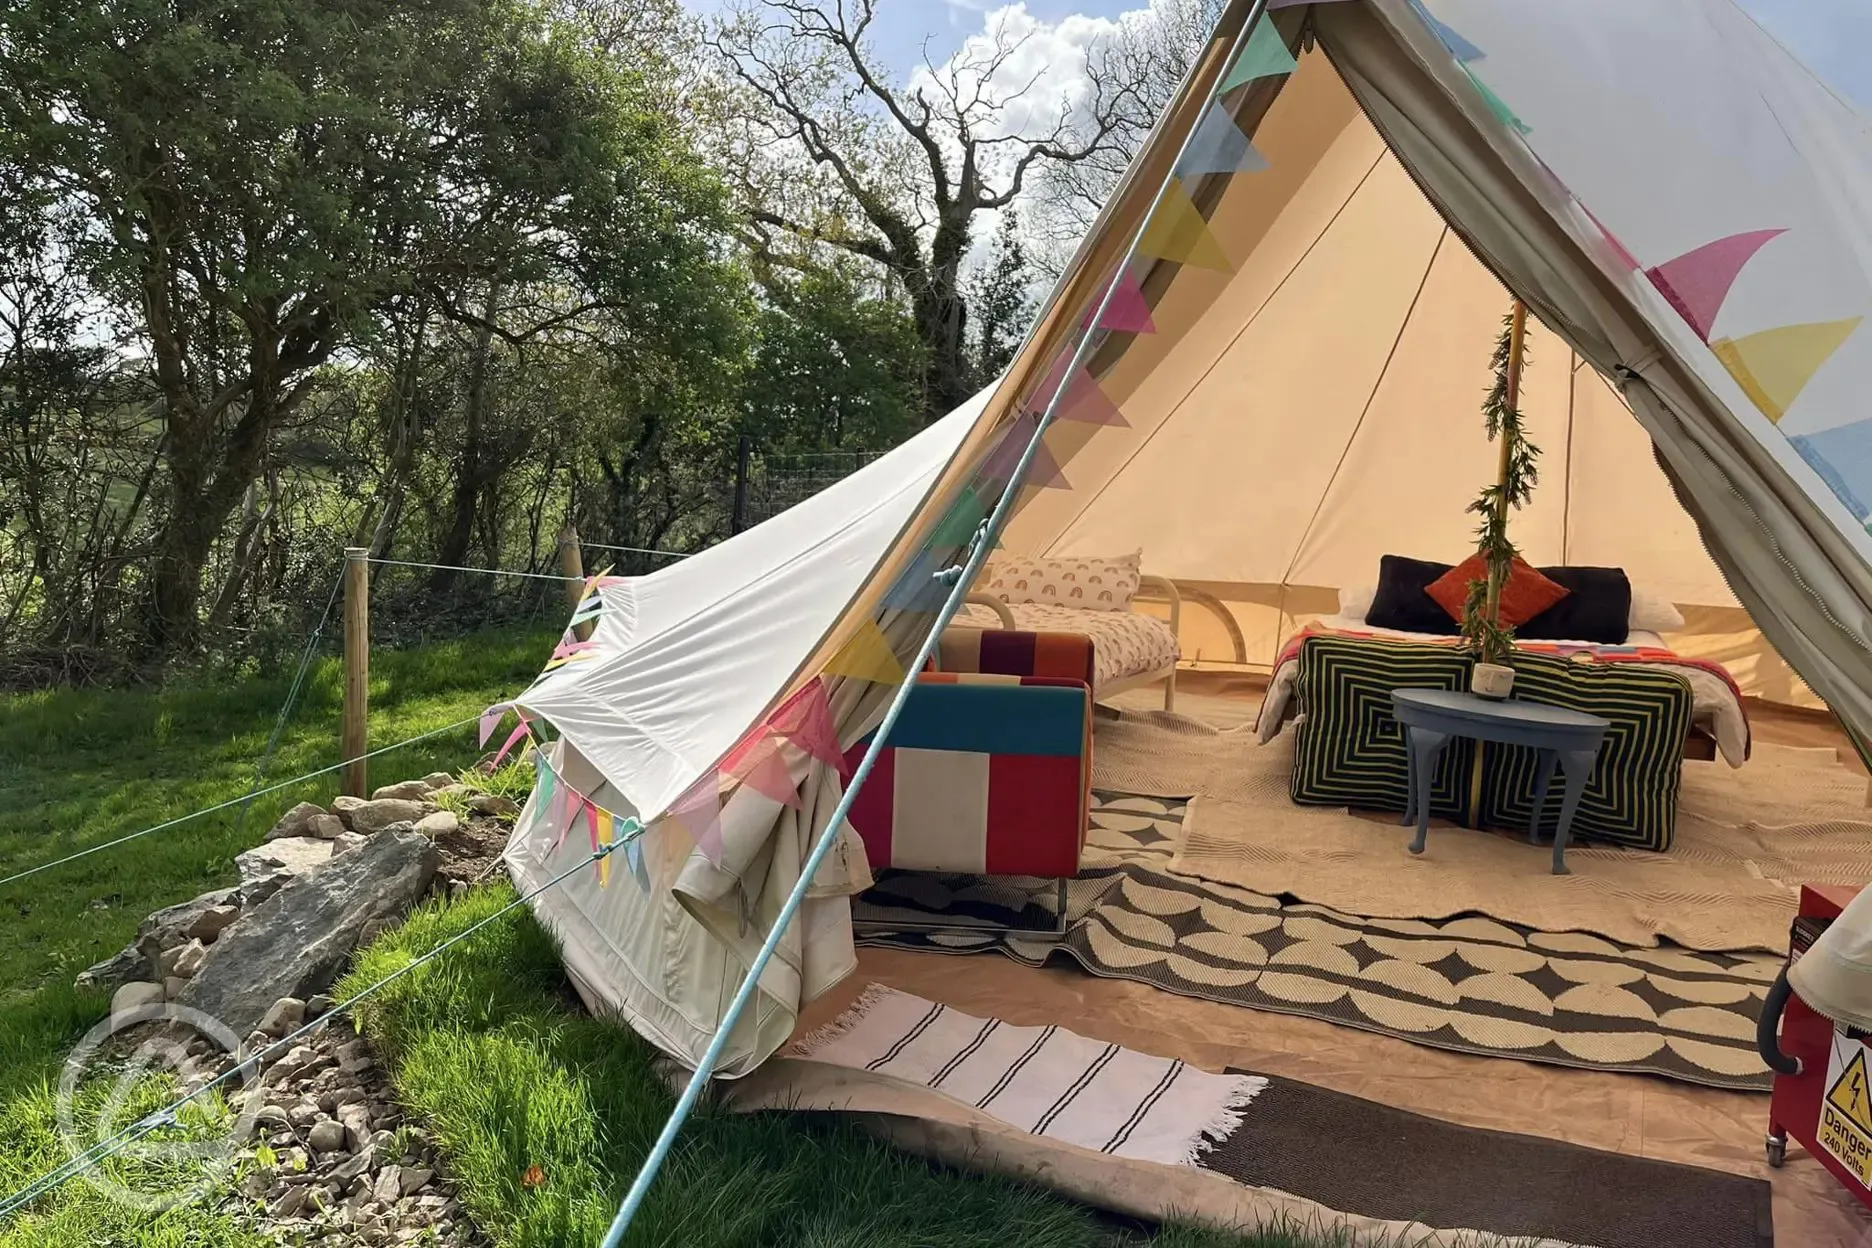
1349	750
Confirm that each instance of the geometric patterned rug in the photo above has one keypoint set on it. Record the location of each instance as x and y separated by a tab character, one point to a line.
1470	983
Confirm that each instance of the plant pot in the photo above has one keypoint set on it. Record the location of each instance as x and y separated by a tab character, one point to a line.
1491	680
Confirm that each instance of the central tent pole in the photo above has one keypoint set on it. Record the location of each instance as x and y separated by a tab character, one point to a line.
1517	338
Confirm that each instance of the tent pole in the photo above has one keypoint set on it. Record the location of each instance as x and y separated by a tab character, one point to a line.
1517	339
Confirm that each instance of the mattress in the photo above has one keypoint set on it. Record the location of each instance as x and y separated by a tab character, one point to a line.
1124	643
1717	709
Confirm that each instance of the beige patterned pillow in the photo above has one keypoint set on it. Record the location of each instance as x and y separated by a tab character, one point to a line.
1090	583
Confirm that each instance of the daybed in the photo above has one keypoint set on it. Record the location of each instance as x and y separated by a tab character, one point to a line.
1130	649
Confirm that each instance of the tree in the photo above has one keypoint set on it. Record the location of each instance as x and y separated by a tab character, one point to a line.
830	153
1001	292
260	176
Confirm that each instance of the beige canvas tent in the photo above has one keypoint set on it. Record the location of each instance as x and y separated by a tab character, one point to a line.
1290	422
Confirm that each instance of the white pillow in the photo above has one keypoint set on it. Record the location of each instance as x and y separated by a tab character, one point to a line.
1653	613
1355	601
1088	582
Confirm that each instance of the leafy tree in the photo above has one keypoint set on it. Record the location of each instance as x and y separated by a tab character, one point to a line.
259	177
1001	292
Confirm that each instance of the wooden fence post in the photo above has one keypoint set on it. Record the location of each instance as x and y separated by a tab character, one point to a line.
355	735
572	567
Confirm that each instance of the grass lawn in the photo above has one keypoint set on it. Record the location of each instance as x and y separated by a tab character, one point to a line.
514	1076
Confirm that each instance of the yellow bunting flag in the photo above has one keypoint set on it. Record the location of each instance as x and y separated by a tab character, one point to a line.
868	656
604	830
1178	232
1775	365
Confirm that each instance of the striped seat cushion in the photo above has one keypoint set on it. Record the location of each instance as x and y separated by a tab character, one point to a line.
1349	750
1012	652
984	774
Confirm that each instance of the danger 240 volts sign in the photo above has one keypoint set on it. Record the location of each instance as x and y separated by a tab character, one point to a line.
1846	1110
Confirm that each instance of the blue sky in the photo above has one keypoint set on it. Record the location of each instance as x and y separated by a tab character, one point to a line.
1834	37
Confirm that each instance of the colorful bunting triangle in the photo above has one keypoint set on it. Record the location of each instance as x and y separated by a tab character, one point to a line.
1127	312
1619	249
1265	56
918	589
1219	146
520	730
757	763
634	854
1497	105
1084	402
867	656
1697	282
491	718
1459	47
1842	455
604	830
1043	472
805	722
959	523
543	782
1775	365
698	812
1177	231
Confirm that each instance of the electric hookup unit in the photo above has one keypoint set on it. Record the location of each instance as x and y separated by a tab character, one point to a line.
1823	1068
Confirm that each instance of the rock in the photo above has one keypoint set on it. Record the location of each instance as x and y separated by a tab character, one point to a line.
408	790
441	823
348	841
134	996
327	828
351	1169
494	804
356	1120
303	1114
283	1016
296	942
292	856
377	815
170	926
252	894
414	1181
257	1183
326	1136
372	930
438	779
389	1187
189	959
453	789
173	986
289	1205
296	821
318	1006
114	972
216	919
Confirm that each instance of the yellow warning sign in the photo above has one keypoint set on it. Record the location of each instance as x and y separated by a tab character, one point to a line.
1846	1114
1848	1093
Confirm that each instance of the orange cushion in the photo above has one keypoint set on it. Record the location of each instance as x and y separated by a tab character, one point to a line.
1525	596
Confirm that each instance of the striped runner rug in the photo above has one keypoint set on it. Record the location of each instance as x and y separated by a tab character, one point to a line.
1043	1080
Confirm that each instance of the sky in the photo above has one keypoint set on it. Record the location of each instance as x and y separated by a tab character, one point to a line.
1833	37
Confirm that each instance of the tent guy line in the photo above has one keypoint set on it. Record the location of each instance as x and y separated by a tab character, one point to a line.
236	801
451	567
959	588
112	1145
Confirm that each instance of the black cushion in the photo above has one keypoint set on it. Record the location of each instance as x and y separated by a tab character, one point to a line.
1597	610
1401	601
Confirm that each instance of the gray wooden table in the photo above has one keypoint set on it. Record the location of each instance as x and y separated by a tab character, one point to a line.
1568	739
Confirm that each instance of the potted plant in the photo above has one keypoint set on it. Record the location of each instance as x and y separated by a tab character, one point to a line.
1483	634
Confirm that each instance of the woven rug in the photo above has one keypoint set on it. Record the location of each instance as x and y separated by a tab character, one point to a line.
1745	840
1366	1158
1046	1081
1471	983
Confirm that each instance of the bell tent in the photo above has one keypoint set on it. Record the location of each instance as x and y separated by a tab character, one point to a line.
1296	289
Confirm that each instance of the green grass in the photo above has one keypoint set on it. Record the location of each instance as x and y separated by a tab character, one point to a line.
489	1042
516	1080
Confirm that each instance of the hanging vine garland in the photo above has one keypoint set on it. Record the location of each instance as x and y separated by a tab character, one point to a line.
1482	631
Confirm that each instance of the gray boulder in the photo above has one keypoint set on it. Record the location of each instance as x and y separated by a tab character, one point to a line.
441	823
494	804
343	806
174	925
378	814
294	855
298	940
296	822
411	790
327	828
127	966
438	779
134	996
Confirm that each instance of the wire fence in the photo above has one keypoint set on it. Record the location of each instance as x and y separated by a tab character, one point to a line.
777	482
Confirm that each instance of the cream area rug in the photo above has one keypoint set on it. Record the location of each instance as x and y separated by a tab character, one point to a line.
1047	1081
1745	841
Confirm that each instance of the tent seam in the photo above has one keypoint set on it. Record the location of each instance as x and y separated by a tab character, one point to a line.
1215	363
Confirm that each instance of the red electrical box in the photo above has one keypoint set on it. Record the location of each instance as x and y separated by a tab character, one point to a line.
1827	1107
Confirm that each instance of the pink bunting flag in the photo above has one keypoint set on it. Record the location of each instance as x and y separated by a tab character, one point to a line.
522	729
756	763
567	801
1044	472
698	812
566	649
1697	282
805	721
1084	401
1128	312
